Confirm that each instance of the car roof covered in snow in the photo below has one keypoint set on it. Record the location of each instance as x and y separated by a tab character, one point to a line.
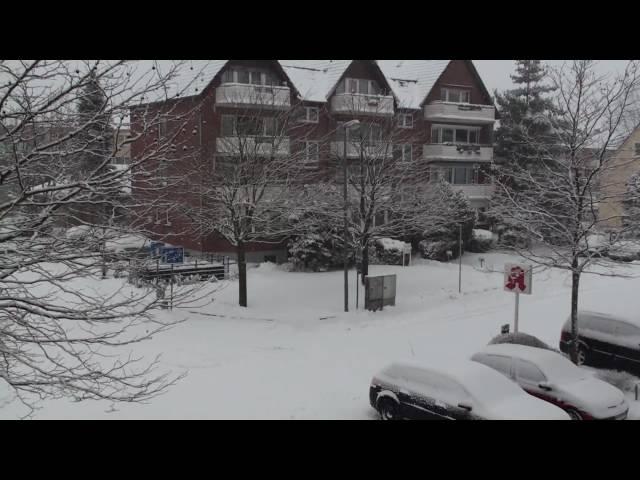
589	314
554	365
465	371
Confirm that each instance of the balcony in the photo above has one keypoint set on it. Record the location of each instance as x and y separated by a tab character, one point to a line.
361	104
457	153
262	146
242	95
475	192
459	113
371	150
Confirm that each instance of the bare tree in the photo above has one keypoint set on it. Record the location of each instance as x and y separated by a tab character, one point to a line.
59	335
243	193
557	207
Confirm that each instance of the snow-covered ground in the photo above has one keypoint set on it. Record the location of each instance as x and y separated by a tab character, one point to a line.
293	354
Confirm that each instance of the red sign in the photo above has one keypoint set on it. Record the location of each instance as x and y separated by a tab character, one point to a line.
517	278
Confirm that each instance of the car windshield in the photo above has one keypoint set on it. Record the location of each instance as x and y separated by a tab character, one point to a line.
560	369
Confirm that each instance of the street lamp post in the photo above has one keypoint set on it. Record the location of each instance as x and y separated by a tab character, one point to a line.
346	126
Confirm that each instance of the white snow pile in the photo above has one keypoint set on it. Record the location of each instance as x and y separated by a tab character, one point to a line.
480	234
391	244
127	242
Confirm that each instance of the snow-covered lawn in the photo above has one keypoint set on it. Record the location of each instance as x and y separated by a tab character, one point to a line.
293	354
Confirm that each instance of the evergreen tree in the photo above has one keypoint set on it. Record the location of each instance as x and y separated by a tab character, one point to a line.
98	135
524	135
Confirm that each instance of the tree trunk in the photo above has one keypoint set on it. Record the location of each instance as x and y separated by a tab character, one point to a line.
575	286
365	262
242	275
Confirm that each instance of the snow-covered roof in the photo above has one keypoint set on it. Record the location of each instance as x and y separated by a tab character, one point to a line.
412	80
192	76
314	79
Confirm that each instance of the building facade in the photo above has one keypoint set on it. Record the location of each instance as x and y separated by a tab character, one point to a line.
614	179
441	114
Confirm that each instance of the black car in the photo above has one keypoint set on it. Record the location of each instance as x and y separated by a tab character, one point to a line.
461	391
605	341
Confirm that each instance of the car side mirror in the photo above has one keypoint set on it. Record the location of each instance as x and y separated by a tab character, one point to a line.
545	386
466	406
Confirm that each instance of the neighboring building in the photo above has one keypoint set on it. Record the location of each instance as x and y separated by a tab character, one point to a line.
441	107
614	180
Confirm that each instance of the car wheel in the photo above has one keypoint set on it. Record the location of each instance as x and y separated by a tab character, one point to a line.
574	414
582	355
388	409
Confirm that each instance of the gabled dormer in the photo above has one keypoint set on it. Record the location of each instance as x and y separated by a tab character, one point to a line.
248	83
362	89
459	96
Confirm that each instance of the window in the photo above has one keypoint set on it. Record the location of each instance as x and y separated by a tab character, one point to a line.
249	76
359	86
405	120
454	134
499	363
311	152
310	115
403	152
455	95
528	372
162	126
369	133
462	175
637	145
380	218
627	330
233	126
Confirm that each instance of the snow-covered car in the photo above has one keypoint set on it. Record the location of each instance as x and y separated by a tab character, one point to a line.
605	341
455	391
552	377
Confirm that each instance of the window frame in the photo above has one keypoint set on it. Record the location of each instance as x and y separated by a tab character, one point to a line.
402	147
437	134
307	117
373	88
445	97
307	158
518	362
403	120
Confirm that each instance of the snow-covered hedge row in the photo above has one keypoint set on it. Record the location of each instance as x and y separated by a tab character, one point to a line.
481	241
387	251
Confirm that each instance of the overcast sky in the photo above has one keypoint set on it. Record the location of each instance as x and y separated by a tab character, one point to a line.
495	73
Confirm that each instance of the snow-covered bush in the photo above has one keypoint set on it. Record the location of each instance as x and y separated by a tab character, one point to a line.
520	338
316	251
512	237
387	251
481	241
437	249
624	251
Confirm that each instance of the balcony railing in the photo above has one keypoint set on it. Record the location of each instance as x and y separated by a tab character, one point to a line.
361	104
370	150
235	146
459	113
475	192
240	94
459	152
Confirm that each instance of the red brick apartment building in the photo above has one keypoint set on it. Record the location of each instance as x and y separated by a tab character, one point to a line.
442	108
